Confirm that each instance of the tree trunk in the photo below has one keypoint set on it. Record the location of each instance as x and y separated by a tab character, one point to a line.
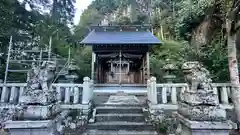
161	28
233	69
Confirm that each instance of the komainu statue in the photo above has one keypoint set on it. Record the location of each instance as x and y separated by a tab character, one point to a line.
197	76
200	102
39	80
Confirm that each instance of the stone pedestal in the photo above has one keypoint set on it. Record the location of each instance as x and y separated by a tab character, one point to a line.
188	127
43	127
199	113
37	127
201	105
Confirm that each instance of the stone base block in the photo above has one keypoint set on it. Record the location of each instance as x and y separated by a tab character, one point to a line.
200	97
86	108
188	127
38	97
38	112
202	112
47	127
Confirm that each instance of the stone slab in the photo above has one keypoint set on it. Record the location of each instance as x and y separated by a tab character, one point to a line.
119	132
163	106
118	110
123	99
120	117
124	125
76	106
46	131
28	124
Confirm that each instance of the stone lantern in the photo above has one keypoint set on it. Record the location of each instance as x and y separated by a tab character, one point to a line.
169	68
72	72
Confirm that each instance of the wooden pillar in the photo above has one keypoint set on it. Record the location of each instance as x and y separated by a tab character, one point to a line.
143	70
128	72
111	66
98	71
93	68
148	65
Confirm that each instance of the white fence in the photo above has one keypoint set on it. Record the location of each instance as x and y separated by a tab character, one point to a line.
68	94
168	94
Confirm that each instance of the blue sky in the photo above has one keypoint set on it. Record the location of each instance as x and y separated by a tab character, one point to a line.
80	6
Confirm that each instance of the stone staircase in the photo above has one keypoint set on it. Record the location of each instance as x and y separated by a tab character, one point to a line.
119	120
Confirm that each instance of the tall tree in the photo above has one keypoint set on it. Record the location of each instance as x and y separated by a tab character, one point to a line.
233	25
6	16
63	11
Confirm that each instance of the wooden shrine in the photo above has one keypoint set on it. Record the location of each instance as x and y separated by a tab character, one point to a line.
120	54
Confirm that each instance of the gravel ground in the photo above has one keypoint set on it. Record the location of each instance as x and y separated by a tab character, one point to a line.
235	132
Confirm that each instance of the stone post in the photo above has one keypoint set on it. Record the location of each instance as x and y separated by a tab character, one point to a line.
164	94
67	95
13	95
199	112
4	94
148	90
224	95
174	95
86	89
153	90
76	95
58	89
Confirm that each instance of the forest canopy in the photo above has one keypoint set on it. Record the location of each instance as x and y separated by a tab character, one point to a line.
190	29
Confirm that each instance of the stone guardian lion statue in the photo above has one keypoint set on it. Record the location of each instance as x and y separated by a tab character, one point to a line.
39	80
197	76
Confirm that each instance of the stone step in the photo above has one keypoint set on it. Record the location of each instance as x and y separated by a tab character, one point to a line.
120	117
123	125
118	109
119	132
121	105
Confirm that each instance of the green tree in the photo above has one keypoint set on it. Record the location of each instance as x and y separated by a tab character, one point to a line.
33	27
170	51
63	11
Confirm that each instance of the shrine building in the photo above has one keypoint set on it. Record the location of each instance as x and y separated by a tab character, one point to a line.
120	54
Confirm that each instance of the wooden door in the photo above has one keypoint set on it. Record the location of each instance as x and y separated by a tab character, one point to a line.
119	74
